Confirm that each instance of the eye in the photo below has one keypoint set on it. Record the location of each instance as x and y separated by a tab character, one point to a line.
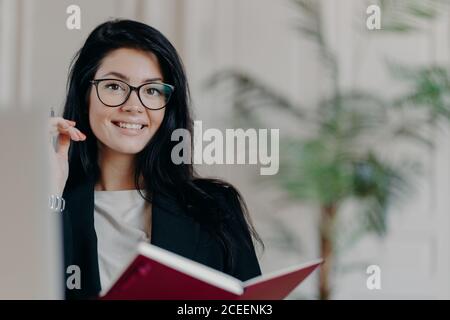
152	92
113	86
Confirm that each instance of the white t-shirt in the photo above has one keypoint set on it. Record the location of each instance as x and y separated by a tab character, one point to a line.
122	219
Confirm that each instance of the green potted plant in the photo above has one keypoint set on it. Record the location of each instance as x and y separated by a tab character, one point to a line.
340	160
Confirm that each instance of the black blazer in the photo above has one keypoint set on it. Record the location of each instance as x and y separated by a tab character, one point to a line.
172	230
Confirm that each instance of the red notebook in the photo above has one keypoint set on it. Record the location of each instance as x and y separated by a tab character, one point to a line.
158	274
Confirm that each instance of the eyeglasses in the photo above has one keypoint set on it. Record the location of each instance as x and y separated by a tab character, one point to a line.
114	93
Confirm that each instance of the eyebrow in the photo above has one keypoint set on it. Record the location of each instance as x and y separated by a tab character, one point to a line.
124	77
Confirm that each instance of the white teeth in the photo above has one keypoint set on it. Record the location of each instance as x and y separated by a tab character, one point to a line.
130	125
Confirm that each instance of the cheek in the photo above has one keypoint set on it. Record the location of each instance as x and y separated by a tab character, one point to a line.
94	111
98	113
156	118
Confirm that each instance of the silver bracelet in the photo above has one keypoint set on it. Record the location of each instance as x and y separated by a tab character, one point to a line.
56	203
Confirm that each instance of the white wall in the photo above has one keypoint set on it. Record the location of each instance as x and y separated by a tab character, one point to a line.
414	257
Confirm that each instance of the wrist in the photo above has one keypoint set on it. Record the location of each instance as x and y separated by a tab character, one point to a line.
56	203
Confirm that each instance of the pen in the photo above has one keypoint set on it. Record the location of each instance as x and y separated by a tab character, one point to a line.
54	137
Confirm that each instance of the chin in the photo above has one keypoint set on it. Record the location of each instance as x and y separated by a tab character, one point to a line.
128	149
122	147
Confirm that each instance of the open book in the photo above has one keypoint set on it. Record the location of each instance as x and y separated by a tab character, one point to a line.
156	273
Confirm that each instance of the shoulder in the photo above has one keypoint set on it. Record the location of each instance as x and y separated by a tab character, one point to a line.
224	202
221	194
217	189
236	227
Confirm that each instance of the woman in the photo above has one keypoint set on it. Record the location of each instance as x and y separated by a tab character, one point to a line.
127	92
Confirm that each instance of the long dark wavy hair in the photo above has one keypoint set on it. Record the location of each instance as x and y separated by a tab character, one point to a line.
198	196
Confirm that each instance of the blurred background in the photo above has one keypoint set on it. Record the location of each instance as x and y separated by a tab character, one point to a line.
363	116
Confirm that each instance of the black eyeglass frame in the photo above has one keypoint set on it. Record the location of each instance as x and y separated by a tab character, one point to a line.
95	82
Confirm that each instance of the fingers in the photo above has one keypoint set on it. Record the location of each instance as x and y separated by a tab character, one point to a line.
62	126
63	145
75	134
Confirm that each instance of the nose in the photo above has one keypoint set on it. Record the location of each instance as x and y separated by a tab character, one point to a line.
133	104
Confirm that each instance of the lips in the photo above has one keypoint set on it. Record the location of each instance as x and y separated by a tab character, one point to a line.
130	125
130	129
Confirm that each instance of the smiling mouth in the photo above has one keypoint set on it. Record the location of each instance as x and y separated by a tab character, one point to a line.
126	125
